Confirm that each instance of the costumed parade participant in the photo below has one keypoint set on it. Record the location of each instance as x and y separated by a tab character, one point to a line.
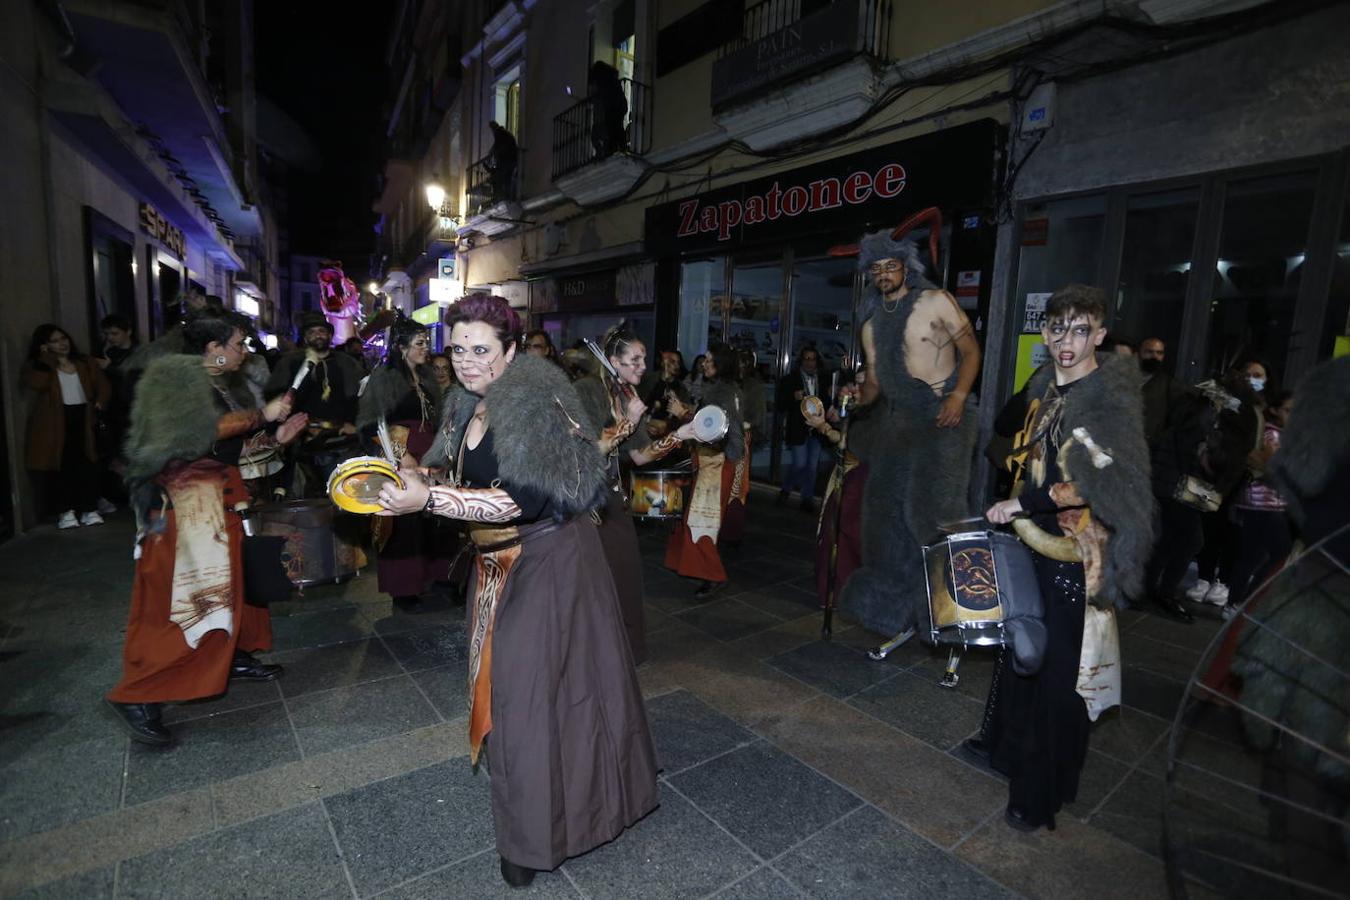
554	697
839	529
752	416
617	418
412	551
800	442
692	548
341	302
1083	474
327	394
922	360
190	629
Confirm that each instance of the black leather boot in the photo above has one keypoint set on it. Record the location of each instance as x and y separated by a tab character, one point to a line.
516	876
247	667
141	722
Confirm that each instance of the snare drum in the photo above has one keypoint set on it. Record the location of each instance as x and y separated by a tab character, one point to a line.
355	484
978	582
658	495
710	424
316	552
261	461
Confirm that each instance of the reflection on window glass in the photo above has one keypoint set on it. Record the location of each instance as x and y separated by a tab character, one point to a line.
1261	253
702	298
1155	267
822	309
1338	305
756	293
1061	244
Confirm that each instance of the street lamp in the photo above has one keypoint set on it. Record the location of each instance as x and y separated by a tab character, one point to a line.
435	194
373	288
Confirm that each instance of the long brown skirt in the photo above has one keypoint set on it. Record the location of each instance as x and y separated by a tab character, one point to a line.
570	752
619	538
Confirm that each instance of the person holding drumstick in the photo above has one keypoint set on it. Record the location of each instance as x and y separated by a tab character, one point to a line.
617	417
1083	472
692	548
554	696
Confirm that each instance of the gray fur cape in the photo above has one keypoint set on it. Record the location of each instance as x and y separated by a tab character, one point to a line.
918	477
385	391
542	438
1315	444
1109	404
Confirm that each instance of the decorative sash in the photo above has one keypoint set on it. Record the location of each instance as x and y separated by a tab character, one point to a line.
492	567
203	587
705	506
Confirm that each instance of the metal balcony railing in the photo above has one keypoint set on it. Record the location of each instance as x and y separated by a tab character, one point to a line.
486	186
587	132
772	16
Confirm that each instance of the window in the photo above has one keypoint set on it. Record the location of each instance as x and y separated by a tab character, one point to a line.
1155	267
702	301
506	100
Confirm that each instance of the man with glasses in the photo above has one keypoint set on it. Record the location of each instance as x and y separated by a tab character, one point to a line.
922	361
800	441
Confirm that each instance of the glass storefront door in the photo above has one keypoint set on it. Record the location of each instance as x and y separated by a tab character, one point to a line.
774	305
1155	268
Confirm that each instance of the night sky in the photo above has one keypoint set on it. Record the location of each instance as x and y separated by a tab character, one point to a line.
324	67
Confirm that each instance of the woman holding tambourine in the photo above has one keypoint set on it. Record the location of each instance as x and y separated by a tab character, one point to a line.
692	548
617	416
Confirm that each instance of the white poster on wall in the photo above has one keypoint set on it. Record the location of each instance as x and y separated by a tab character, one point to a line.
1034	317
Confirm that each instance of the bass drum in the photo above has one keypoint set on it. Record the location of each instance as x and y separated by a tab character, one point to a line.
322	545
659	494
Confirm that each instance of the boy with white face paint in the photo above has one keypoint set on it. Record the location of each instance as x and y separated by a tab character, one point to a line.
1082	465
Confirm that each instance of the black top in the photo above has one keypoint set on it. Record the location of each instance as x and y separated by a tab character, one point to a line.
340	406
797	431
480	471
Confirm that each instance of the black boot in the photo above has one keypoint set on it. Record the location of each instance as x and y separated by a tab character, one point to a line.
411	604
1172	608
141	721
708	588
247	667
514	875
977	747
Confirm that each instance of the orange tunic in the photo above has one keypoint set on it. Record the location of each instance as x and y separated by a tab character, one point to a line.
157	663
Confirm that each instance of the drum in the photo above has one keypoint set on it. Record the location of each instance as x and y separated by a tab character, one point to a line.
355	484
710	424
658	495
978	583
813	408
321	544
261	462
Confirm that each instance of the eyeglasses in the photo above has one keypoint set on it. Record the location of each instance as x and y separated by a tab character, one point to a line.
886	268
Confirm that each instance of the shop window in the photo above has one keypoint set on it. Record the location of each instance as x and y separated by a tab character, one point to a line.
1155	267
822	309
702	305
506	101
1262	247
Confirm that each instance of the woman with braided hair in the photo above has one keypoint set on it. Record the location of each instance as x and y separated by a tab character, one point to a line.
618	418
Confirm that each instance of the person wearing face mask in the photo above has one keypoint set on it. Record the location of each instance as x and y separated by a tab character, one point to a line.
554	698
413	551
1162	392
618	419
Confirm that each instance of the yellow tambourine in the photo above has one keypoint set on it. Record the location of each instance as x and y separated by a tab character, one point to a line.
813	408
355	484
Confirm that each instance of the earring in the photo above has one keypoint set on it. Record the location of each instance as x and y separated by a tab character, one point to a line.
221	360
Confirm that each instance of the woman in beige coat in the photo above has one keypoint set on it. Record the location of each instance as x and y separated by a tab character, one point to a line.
70	389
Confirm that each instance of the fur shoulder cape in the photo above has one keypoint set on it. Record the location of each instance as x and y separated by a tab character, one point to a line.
1109	405
173	417
386	389
727	395
594	397
541	435
1315	443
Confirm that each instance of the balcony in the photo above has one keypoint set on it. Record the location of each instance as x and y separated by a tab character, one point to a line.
492	198
591	164
791	76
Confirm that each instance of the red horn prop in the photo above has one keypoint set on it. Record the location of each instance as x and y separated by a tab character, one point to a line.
932	216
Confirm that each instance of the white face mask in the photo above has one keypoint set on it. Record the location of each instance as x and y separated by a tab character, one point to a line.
1258	384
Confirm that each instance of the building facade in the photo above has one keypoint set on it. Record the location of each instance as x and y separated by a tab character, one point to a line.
130	174
693	167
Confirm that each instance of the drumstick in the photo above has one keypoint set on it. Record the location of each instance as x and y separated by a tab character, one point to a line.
298	380
609	367
386	444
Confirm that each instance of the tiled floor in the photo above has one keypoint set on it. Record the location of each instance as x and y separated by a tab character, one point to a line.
791	767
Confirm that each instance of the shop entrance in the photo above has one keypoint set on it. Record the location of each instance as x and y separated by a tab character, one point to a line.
776	305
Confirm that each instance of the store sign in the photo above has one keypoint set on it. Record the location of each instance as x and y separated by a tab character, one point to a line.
815	41
873	188
593	290
161	229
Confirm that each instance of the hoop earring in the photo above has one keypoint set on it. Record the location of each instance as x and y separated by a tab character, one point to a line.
221	360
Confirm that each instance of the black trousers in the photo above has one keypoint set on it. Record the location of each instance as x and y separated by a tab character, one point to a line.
1180	537
1037	726
1266	542
75	484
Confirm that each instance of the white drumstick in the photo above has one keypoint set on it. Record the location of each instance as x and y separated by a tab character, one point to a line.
298	380
382	431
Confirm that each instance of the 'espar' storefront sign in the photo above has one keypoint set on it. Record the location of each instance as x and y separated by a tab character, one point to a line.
949	168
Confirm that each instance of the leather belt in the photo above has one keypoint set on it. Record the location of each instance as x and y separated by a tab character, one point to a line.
489	540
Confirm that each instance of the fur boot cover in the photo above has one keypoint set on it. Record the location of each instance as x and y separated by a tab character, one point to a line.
541	435
1109	405
1315	443
386	389
918	477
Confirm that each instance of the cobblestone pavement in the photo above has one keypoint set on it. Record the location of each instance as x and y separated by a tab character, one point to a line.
791	766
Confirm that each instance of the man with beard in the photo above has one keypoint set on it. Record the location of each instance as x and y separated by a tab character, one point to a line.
327	395
1162	392
922	361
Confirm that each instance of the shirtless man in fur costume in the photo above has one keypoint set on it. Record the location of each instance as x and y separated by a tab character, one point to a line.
922	360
